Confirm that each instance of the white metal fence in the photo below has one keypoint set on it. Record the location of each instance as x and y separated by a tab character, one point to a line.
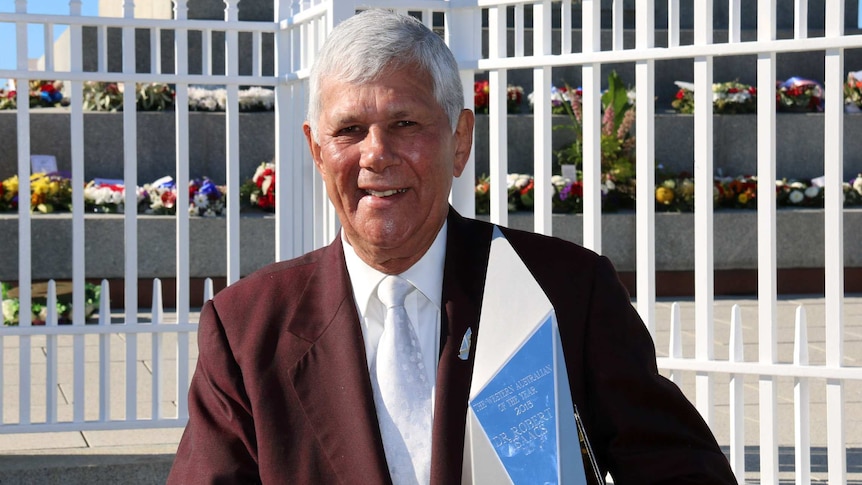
305	220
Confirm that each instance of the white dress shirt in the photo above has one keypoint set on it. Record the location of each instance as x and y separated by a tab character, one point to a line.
423	306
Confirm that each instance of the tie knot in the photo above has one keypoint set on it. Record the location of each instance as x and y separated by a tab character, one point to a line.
393	290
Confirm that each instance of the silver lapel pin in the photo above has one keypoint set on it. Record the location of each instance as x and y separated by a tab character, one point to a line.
464	351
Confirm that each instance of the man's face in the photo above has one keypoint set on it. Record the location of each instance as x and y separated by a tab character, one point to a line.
387	154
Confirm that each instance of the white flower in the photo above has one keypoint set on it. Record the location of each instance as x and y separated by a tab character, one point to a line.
857	184
202	201
559	181
797	185
812	192
796	197
10	311
257	96
517	180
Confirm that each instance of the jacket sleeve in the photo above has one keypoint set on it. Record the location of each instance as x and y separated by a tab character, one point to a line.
219	443
649	432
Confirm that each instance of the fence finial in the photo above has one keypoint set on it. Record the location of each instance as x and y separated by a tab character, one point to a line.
231	10
181	9
129	9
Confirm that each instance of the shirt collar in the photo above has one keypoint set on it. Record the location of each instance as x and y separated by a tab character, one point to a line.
426	275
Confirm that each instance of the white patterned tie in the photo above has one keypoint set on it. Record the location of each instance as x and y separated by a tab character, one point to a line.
402	391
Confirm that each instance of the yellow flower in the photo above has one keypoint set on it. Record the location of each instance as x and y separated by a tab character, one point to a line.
664	195
743	198
10	187
687	188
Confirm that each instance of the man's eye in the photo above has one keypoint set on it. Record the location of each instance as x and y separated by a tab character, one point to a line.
406	123
348	130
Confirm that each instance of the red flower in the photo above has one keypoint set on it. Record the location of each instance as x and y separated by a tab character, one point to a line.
680	94
169	198
480	100
526	190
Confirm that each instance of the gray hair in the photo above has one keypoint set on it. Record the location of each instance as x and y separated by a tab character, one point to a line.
368	44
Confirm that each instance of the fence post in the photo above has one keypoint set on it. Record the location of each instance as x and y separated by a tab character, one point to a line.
736	399
801	401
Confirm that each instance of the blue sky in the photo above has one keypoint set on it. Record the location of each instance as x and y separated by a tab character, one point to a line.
35	36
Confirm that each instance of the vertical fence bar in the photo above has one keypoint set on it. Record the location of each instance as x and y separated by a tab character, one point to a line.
673	23
800	19
48	39
617	17
155	50
766	242
801	402
703	215
104	357
183	230
76	126
591	128
208	289
463	34
519	32
734	19
206	52
232	127
833	155
102	41
256	63
675	345
645	160
290	199
24	218
157	320
498	120
542	222
130	177
51	356
736	398
566	26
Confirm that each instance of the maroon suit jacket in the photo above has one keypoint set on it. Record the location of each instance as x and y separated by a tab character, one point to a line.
281	393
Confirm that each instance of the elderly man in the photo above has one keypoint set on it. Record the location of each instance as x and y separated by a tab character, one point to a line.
299	378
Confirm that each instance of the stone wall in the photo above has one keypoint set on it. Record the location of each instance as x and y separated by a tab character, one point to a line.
799	242
799	143
103	143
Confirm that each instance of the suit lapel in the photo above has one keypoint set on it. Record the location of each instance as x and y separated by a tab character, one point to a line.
331	379
467	251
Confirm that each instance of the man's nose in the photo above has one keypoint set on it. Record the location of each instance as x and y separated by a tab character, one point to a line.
377	151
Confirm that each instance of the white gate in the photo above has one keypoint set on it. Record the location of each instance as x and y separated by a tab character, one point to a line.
520	35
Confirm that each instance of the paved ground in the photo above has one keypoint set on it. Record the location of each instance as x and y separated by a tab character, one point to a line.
144	455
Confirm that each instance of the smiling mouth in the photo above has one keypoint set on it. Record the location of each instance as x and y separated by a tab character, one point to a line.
385	193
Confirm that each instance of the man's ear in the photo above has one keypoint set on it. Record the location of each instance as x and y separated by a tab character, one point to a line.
463	140
313	147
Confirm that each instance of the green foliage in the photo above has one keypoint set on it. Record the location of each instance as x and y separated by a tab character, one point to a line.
616	139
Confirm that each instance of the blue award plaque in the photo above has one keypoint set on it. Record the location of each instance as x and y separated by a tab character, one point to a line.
521	424
518	411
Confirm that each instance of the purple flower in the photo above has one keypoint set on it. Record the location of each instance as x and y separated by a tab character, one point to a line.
209	189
